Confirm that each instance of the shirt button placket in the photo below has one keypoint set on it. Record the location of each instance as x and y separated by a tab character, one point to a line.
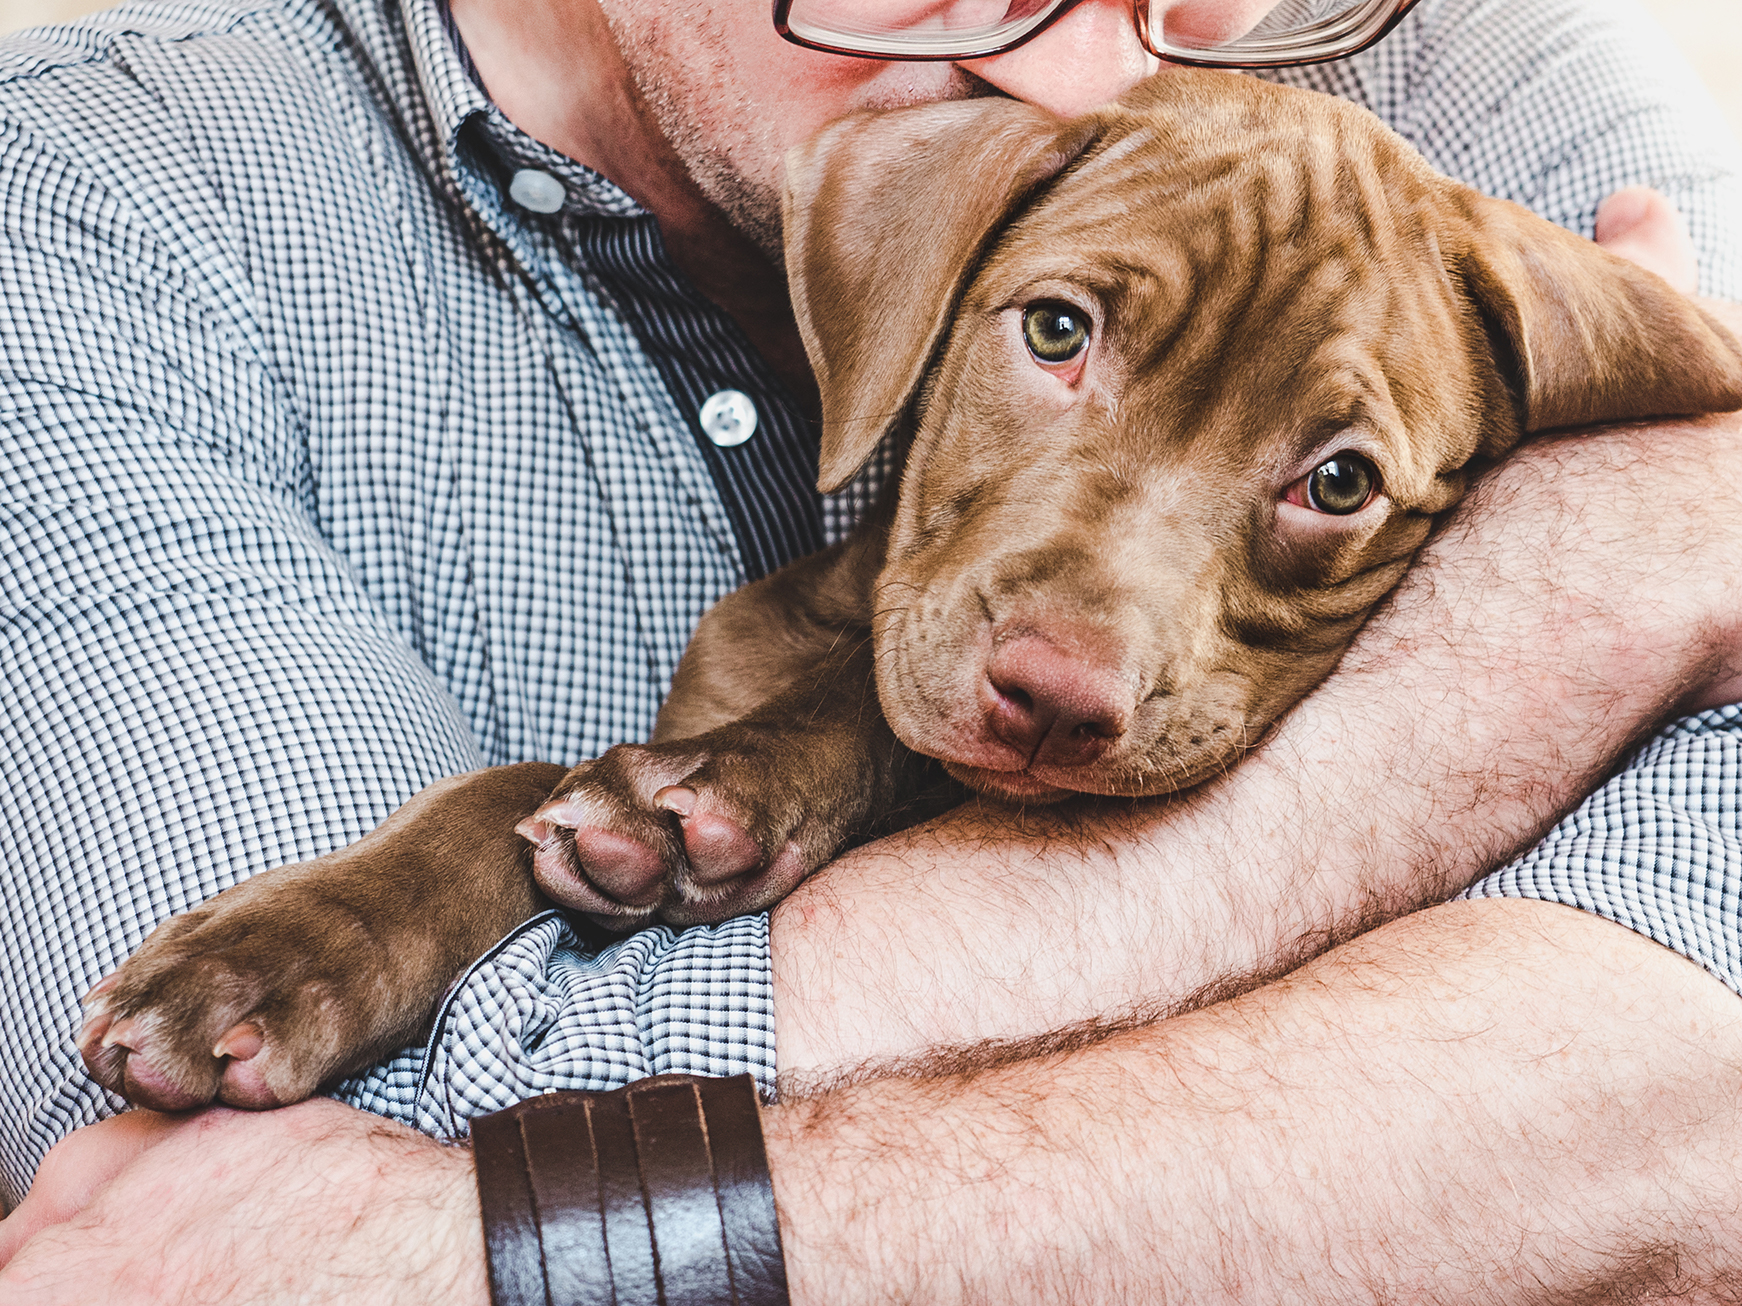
536	191
729	418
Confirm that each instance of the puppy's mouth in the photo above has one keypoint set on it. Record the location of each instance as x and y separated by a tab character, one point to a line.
1022	786
1158	766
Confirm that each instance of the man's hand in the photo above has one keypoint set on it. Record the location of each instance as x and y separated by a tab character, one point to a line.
77	1168
1640	224
314	1203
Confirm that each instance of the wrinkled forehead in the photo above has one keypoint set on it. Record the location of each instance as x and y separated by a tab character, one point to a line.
1191	183
1272	263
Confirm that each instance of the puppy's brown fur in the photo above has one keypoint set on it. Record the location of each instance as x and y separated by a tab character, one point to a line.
1102	573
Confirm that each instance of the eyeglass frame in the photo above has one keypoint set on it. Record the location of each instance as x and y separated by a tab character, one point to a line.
1139	19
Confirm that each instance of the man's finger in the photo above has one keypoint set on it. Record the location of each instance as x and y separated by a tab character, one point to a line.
1643	227
77	1168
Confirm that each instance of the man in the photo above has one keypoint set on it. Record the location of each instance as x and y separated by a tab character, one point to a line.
1559	617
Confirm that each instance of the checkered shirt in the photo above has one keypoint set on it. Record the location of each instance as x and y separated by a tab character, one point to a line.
330	470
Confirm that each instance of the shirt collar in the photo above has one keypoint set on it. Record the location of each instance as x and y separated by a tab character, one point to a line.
464	114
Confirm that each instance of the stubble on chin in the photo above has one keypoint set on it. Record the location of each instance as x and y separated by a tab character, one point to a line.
684	75
682	62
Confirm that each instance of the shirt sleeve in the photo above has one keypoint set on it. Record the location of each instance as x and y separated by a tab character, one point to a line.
544	1011
195	686
1657	849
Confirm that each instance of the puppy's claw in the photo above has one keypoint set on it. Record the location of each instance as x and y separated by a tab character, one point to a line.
562	814
679	799
95	1013
91	1033
123	1033
535	831
240	1042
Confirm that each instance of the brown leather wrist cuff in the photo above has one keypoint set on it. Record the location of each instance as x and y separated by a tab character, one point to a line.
652	1195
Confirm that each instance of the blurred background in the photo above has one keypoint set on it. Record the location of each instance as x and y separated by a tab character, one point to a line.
1708	31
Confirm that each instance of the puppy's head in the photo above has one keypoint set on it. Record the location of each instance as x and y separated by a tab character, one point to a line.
1186	381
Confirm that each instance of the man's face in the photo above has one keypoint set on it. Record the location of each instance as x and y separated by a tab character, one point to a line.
731	96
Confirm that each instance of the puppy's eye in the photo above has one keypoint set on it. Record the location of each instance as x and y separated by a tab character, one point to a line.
1342	484
1055	332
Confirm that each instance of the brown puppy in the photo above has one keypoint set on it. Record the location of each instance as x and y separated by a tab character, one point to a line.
1181	386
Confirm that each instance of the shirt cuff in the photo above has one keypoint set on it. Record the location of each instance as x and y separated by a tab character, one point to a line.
1657	849
543	1011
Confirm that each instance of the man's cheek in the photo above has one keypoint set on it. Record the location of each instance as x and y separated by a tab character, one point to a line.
1195	24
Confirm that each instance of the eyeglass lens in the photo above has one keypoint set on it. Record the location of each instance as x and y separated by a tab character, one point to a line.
1241	33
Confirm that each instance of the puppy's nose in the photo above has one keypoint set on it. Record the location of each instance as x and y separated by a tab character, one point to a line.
1051	706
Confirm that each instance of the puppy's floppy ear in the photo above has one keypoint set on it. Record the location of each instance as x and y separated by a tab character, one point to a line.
886	216
1592	337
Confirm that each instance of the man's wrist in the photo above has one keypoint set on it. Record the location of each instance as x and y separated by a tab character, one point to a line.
655	1192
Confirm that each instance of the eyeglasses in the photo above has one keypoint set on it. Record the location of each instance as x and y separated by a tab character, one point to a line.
1209	33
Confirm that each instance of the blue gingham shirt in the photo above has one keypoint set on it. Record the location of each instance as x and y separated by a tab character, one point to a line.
330	470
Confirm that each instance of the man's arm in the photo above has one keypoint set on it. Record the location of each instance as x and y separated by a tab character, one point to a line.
1585	592
1503	1102
1508	1102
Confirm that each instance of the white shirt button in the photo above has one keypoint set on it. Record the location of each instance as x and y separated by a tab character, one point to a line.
729	418
538	191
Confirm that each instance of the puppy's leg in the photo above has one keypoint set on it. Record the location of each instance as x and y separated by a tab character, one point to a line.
731	820
770	754
308	972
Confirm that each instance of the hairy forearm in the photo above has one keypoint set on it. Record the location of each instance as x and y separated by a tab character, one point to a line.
1498	1102
1584	592
316	1202
1504	1102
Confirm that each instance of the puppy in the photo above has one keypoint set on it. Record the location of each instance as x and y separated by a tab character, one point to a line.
1180	386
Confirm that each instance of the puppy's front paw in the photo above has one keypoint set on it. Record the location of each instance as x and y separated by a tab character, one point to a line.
690	832
246	1001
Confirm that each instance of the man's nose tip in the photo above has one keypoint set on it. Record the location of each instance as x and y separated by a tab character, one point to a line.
1088	57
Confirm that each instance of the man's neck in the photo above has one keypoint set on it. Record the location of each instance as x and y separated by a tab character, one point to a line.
553	67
